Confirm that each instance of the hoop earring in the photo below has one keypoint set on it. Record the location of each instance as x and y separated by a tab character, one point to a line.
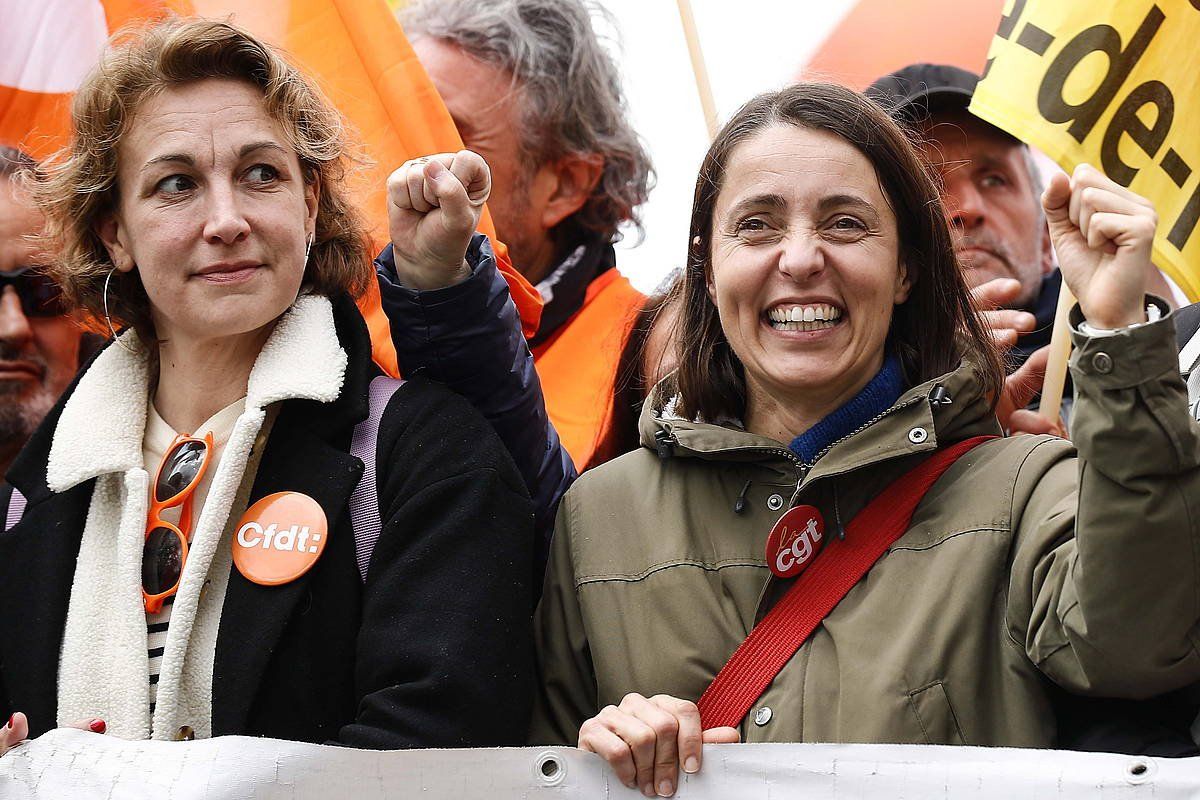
107	318
308	247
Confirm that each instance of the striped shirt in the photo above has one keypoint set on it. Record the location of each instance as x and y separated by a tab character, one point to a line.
156	642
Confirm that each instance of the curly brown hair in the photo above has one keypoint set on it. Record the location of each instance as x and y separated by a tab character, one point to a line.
78	187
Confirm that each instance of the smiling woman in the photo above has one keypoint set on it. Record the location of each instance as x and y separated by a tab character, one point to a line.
844	196
790	241
201	205
929	579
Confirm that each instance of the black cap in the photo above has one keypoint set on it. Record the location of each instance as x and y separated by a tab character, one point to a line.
917	91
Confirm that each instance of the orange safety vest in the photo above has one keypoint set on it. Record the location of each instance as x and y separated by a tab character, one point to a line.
578	364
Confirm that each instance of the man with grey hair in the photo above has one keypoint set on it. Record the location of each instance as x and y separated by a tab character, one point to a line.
992	191
531	89
39	345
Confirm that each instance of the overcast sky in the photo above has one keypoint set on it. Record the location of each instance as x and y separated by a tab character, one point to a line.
750	46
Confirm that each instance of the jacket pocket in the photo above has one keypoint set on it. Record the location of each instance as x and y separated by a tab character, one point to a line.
935	715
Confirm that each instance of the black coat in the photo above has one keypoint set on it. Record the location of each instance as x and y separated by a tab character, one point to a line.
434	650
468	336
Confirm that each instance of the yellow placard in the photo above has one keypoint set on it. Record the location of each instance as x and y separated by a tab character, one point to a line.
1116	85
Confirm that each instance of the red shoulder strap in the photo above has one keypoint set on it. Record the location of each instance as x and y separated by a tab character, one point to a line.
777	637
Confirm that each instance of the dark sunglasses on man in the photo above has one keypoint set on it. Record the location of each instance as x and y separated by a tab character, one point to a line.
39	294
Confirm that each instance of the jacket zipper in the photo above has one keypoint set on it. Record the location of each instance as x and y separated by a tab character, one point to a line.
862	428
805	468
665	438
665	442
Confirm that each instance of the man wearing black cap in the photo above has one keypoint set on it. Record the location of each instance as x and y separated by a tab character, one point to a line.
992	190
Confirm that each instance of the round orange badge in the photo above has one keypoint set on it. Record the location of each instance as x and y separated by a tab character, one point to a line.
279	538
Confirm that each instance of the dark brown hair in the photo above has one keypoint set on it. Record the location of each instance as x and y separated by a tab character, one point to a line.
79	187
631	386
928	331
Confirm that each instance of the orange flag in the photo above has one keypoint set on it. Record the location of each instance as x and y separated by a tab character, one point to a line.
353	49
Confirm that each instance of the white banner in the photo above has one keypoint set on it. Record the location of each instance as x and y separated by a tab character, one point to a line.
70	763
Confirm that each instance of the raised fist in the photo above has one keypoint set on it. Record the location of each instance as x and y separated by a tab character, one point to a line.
434	204
1102	233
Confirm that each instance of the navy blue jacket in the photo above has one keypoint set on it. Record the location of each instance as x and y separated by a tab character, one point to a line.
468	337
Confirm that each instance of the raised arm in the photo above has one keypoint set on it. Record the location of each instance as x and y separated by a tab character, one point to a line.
1105	589
455	322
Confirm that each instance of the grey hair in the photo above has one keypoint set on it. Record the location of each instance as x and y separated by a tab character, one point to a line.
13	161
1035	181
569	90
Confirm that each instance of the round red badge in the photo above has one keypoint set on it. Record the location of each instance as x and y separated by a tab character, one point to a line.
794	541
279	538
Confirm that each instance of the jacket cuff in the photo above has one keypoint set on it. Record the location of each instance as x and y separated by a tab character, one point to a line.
479	257
1127	357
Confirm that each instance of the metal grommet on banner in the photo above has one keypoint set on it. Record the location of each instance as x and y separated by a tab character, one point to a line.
918	435
1140	770
762	716
549	768
775	502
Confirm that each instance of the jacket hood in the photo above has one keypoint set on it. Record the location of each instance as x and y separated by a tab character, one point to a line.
921	420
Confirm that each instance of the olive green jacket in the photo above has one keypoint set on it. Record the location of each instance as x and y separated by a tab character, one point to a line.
958	631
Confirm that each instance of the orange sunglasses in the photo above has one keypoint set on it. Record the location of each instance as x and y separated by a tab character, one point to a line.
166	548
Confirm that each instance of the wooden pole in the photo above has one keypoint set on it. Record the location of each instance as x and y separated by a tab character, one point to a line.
698	68
1060	353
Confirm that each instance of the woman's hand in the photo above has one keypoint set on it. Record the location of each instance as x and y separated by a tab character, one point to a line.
16	730
434	205
1102	233
645	740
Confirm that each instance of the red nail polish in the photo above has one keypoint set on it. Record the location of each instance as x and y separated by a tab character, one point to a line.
97	726
10	721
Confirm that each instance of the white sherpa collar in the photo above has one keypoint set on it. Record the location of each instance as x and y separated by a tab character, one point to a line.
102	423
100	430
104	664
306	334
